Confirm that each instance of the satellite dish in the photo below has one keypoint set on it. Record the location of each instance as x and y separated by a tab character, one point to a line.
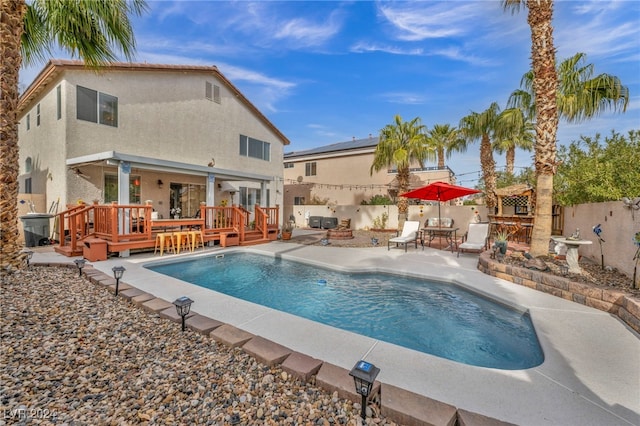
299	179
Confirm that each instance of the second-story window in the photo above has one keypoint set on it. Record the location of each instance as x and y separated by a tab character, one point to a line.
97	107
37	115
28	121
310	169
250	147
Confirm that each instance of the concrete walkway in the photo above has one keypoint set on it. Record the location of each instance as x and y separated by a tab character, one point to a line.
590	376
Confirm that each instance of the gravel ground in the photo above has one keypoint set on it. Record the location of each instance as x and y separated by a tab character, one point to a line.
74	354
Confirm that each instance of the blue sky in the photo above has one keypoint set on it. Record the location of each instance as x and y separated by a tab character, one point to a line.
324	72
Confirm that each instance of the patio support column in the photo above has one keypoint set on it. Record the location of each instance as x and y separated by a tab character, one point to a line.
124	170
263	193
211	186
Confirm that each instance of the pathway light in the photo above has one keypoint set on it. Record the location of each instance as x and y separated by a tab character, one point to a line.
80	264
118	271
364	375
183	306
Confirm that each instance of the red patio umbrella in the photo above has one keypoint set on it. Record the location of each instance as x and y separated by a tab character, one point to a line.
439	191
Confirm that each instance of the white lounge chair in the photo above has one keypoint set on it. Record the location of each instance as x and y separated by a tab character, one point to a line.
476	239
409	235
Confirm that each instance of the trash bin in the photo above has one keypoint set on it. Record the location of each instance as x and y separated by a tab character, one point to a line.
36	229
95	249
315	222
329	222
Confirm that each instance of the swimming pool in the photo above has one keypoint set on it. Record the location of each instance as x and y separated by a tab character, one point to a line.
436	318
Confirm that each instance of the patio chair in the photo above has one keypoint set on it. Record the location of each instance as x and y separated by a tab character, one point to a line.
409	235
476	238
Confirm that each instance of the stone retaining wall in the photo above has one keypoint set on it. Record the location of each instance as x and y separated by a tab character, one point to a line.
626	307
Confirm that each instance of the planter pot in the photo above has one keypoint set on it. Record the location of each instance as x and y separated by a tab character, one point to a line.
176	216
286	235
502	245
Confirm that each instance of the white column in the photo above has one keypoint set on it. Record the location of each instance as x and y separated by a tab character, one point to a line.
124	170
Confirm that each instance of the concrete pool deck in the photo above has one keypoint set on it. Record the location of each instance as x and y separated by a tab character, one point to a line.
590	376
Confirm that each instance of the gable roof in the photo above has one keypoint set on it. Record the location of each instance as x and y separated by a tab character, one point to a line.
370	142
56	66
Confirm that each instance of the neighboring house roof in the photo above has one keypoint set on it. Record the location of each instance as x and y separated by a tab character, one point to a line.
356	144
55	66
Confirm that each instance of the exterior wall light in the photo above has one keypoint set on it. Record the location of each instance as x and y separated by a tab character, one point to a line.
183	306
364	375
118	271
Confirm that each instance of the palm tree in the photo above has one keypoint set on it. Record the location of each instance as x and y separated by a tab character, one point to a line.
29	32
545	85
401	144
445	140
484	126
517	131
571	95
580	96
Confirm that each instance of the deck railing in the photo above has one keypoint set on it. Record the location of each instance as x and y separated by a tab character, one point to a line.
119	223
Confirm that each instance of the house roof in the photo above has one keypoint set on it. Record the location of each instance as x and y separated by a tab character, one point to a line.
56	66
370	142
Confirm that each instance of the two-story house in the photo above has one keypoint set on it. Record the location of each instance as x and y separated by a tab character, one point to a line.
176	135
340	174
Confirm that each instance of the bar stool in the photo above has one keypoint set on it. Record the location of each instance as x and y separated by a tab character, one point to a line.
161	239
182	238
195	235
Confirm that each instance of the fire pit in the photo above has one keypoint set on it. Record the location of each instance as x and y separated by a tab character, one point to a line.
340	234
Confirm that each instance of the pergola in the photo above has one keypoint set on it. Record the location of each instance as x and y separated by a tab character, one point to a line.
515	200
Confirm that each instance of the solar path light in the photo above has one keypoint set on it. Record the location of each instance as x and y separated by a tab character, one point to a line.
183	306
80	264
364	374
29	254
118	271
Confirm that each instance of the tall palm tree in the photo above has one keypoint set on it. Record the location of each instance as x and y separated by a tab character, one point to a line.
484	126
574	95
28	32
445	140
545	86
401	144
516	131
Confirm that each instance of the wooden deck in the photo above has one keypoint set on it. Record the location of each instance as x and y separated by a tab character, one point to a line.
130	227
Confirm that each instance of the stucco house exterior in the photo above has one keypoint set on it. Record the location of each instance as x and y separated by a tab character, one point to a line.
175	135
339	174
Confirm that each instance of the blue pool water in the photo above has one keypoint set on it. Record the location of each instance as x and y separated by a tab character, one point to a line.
436	318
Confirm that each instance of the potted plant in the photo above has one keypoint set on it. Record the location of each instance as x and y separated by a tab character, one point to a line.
500	241
287	230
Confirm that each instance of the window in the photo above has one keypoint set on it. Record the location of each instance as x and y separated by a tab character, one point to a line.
28	121
208	90
298	201
212	92
27	186
111	188
250	147
288	165
93	105
310	169
28	165
37	115
59	102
